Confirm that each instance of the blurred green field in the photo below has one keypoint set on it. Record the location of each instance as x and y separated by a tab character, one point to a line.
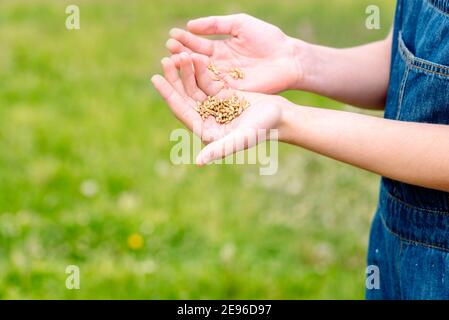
85	172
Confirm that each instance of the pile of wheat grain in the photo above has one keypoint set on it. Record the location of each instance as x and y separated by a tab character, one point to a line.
223	110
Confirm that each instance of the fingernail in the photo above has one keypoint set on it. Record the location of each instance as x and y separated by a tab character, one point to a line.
174	32
199	161
153	78
184	55
167	44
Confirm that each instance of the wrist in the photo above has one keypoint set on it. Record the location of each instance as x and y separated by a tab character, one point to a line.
296	123
286	120
306	61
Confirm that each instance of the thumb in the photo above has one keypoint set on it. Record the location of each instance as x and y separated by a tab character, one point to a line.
204	76
237	140
218	25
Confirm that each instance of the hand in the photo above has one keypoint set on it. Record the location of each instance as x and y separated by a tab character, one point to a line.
267	57
182	93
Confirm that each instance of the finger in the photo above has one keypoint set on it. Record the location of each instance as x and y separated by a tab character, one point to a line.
171	75
206	80
235	141
180	107
188	78
217	25
192	42
174	46
176	58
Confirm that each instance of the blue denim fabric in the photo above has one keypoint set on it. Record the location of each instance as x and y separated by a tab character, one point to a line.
409	240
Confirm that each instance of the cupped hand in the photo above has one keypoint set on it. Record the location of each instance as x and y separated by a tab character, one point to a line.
262	51
182	93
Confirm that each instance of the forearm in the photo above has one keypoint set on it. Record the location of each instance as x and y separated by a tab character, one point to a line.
414	153
358	76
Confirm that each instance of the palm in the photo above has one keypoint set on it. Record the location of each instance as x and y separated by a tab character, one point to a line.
257	51
263	114
183	93
255	47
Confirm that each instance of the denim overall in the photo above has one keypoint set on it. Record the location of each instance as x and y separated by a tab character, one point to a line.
409	241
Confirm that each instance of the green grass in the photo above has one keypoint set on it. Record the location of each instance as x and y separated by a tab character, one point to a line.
77	106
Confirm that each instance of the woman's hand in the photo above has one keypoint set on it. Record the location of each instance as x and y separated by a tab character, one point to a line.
264	114
389	148
267	57
274	62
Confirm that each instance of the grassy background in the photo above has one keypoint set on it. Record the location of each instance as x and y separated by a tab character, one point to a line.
85	177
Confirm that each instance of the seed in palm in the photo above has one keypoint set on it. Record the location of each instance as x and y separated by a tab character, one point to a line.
223	110
217	74
236	73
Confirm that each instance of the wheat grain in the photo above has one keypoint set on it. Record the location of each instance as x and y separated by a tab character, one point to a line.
236	73
223	110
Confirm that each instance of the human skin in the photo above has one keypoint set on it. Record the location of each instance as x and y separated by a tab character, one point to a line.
414	153
358	76
182	94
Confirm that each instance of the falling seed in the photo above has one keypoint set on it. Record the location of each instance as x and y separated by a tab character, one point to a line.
237	74
211	67
223	110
